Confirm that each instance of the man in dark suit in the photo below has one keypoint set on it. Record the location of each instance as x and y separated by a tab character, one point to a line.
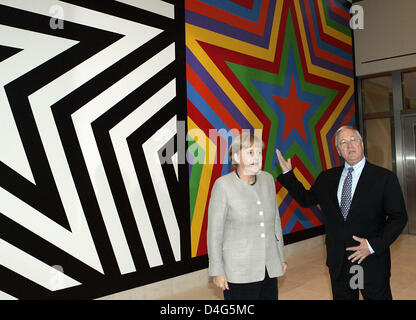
364	211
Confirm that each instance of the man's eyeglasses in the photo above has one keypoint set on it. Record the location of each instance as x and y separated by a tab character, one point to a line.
343	142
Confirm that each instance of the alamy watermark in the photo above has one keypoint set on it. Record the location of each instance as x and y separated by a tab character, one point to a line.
57	278
204	146
357	19
57	17
357	280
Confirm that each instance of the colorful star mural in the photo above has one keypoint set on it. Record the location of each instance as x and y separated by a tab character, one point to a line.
283	68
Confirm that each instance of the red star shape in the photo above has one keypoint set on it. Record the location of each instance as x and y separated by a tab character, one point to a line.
294	110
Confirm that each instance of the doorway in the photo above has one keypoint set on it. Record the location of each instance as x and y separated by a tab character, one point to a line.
409	154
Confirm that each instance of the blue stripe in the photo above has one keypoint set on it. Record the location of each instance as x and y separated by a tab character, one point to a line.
297	216
234	8
323	45
268	90
213	119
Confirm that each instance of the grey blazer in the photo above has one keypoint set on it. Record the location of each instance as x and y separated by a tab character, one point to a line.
244	232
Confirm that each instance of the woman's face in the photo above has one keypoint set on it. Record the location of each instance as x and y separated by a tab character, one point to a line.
251	160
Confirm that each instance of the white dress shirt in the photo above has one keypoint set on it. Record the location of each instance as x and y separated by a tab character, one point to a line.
358	168
356	173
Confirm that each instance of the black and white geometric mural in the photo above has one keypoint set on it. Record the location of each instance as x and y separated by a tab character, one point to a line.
93	196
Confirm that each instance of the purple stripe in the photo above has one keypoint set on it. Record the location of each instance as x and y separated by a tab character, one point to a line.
288	200
285	204
190	162
216	90
318	61
336	17
337	124
234	32
318	213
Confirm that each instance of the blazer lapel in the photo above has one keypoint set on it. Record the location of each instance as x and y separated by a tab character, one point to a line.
334	190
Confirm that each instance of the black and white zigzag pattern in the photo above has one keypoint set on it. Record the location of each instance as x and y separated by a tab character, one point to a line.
88	111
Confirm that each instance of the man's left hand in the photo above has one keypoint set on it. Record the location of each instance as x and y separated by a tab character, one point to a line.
361	251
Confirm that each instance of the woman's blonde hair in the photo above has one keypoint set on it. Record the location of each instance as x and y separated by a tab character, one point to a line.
243	141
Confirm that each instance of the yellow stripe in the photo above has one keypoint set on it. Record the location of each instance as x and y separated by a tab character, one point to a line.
331	75
202	195
194	33
331	31
329	123
301	178
281	195
212	69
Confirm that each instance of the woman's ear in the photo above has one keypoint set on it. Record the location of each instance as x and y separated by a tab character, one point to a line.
236	158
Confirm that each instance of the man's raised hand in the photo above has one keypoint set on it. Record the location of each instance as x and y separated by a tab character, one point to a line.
285	165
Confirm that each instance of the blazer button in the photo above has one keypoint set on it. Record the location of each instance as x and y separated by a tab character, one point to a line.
261	224
263	235
258	202
261	213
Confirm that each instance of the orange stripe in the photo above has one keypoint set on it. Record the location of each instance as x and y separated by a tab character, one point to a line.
288	214
210	99
326	55
311	217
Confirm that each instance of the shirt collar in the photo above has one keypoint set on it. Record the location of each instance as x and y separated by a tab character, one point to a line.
358	166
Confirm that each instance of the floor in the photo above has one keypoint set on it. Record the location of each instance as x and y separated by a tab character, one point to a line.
308	279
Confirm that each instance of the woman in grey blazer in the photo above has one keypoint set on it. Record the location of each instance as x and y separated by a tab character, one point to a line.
244	237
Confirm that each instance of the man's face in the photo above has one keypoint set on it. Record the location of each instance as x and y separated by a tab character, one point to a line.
250	160
350	146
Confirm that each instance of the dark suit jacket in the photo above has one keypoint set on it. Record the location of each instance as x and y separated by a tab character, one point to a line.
377	213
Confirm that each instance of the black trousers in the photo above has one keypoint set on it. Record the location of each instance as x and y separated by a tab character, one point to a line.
261	290
344	287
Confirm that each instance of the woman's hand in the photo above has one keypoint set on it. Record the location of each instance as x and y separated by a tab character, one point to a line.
221	282
286	165
284	266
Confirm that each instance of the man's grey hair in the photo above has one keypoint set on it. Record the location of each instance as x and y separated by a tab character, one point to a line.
342	128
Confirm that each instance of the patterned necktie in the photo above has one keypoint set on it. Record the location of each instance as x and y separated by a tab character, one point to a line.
346	196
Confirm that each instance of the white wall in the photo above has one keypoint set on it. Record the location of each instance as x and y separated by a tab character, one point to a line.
389	32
